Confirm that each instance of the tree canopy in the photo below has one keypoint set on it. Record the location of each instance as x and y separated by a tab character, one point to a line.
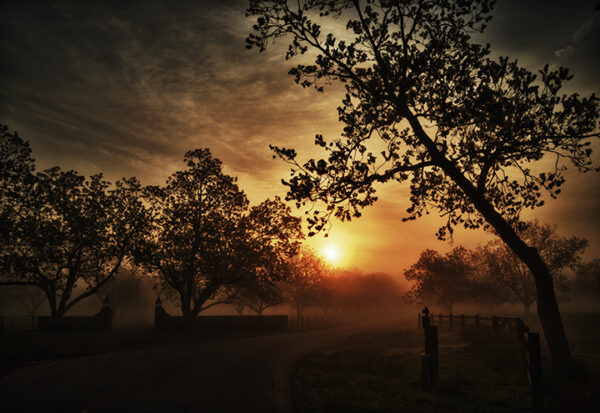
441	279
426	105
63	231
204	240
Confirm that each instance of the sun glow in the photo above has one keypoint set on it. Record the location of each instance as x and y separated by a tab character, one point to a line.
331	253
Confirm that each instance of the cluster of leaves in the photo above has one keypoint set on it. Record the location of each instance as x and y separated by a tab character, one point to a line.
409	67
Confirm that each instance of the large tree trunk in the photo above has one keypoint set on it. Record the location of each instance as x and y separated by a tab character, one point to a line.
548	312
546	298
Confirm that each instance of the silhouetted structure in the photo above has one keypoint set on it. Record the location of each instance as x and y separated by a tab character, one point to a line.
99	322
430	359
263	324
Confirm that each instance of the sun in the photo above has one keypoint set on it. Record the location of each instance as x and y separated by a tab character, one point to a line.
331	253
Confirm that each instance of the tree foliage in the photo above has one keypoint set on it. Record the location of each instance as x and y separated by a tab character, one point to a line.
445	280
271	235
306	282
194	223
587	279
63	230
426	105
408	66
204	241
503	268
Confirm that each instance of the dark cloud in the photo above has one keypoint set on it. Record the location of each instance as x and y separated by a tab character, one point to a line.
550	31
130	83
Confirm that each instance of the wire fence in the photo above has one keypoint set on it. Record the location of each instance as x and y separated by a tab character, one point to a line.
528	341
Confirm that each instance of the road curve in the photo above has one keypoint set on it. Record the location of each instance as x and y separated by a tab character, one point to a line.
249	374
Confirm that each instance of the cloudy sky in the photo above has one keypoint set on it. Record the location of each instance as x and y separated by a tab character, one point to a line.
126	88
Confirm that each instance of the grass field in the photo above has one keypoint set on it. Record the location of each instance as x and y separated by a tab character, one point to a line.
480	371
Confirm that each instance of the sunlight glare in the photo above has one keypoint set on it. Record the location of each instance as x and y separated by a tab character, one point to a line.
331	253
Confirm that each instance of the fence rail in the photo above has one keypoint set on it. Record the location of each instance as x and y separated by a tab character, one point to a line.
529	343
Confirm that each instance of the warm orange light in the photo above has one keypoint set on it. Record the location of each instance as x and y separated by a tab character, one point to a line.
331	253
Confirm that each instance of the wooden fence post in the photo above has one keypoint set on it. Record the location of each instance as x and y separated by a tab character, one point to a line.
430	360
495	323
476	319
451	321
462	320
535	372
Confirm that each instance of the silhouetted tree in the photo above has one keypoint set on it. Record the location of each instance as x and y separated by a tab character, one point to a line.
256	295
204	241
504	269
271	236
195	217
587	279
485	293
304	286
443	279
71	230
460	126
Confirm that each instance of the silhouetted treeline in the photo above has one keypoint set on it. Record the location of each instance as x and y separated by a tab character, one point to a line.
492	275
66	237
72	237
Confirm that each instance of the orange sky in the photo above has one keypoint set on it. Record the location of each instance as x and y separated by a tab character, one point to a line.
127	91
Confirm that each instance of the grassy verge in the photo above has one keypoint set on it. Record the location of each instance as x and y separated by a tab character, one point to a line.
480	371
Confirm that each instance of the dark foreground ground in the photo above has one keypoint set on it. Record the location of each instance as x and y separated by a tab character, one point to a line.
174	372
480	371
365	367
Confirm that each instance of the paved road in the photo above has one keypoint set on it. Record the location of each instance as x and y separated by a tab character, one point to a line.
248	374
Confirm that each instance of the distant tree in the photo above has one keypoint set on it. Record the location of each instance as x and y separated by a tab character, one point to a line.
460	126
124	291
30	297
255	295
77	231
308	273
377	289
484	292
587	279
506	271
271	236
356	291
61	230
445	280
